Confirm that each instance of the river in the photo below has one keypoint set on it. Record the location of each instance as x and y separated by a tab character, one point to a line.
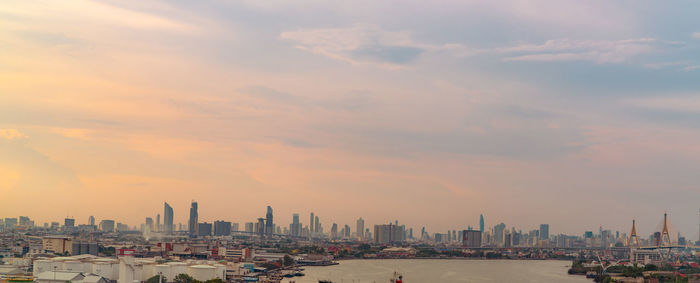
442	270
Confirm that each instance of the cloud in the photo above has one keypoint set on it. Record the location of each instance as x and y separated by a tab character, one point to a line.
599	51
696	35
366	43
11	134
679	103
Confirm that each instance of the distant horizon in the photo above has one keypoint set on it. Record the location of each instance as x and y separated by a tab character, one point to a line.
578	114
327	223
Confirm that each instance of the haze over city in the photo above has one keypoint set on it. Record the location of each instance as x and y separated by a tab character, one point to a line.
578	114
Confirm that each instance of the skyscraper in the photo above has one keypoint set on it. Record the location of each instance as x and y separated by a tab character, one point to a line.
69	223
481	223
91	220
261	227
295	227
157	228
311	224
360	229
269	225
498	233
544	231
317	225
168	218
194	218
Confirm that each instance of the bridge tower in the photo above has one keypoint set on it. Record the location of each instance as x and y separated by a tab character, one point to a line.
665	237
633	236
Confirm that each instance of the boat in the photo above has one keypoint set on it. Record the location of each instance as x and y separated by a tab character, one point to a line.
325	281
398	278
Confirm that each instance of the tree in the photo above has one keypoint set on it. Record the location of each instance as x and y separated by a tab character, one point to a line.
183	278
288	260
157	279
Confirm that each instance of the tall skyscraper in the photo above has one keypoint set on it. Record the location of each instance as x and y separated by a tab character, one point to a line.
481	223
91	220
544	231
157	228
360	229
261	227
334	231
317	225
269	225
168	218
311	224
498	233
295	227
194	218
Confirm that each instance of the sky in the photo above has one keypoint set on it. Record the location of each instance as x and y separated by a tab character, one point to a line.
579	114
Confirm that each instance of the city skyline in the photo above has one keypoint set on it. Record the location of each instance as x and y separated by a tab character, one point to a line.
481	220
577	114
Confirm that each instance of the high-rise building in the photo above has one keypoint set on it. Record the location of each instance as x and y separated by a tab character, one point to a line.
149	224
311	224
317	226
24	221
472	239
334	231
203	229
360	228
107	225
544	231
389	233
481	223
91	220
222	228
250	227
194	219
269	225
295	227
168	218
498	234
157	227
69	223
260	227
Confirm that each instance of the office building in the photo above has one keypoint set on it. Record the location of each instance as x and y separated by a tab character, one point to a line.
168	218
194	219
544	231
498	234
260	227
269	225
91	220
360	229
311	224
481	223
295	227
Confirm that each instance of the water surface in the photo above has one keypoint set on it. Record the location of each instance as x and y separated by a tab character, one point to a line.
442	270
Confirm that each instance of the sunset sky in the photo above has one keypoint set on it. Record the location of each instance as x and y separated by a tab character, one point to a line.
567	112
